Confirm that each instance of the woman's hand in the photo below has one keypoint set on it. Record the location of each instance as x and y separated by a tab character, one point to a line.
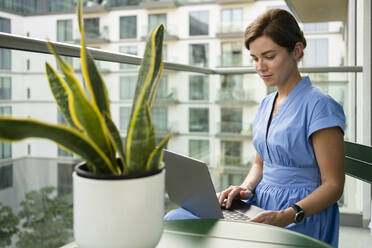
276	218
233	192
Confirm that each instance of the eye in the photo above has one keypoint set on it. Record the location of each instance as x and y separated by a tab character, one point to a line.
270	57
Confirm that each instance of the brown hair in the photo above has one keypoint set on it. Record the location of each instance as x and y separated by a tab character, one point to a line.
279	25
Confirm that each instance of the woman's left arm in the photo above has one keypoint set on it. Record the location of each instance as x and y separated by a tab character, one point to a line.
329	152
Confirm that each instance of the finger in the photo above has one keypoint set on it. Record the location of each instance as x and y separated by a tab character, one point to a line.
223	195
232	195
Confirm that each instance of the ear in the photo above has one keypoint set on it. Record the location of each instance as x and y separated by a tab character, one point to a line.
298	51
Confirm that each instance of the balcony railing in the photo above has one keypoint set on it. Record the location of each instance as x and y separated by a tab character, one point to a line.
232	96
169	34
165	98
230	29
99	35
158	4
234	129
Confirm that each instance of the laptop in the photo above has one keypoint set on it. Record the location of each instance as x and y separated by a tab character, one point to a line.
189	185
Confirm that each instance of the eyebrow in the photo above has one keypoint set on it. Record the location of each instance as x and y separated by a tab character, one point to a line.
264	53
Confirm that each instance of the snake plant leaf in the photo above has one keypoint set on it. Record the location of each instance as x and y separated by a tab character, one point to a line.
141	139
151	66
92	77
60	92
16	129
156	155
117	142
85	113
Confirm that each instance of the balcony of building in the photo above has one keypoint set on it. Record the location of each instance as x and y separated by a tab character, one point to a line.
94	35
169	97
230	30
234	130
158	4
170	33
236	96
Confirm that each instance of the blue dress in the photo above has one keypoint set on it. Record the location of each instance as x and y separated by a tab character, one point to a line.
290	170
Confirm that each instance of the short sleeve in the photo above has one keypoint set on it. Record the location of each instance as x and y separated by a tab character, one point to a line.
326	113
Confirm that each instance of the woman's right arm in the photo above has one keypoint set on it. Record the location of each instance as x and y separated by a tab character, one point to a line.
244	191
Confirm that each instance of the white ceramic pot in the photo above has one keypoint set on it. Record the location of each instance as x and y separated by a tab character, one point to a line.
117	213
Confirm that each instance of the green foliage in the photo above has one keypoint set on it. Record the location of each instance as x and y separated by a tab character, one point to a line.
90	131
8	225
46	219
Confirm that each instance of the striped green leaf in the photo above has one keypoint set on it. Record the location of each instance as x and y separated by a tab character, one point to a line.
60	92
151	67
156	155
92	77
140	140
84	113
117	142
12	129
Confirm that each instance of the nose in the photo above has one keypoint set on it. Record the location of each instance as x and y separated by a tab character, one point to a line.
260	65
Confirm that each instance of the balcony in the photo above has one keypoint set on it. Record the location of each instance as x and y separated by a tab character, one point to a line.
94	36
170	33
158	4
234	129
229	164
233	1
236	96
164	98
231	59
230	29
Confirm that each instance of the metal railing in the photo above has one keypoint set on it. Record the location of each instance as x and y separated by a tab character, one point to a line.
22	43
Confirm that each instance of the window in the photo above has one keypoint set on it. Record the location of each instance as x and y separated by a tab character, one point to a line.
231	20
7	110
199	23
28	65
316	26
6	176
198	87
4	25
155	20
231	179
132	50
199	149
231	120
316	53
231	54
128	27
127	87
124	117
160	118
64	30
5	150
91	28
231	153
162	91
5	88
5	59
65	179
199	120
199	55
232	82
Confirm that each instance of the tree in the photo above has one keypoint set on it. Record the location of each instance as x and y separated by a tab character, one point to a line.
8	225
46	219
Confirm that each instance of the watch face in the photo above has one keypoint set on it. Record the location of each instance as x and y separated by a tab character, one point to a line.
299	216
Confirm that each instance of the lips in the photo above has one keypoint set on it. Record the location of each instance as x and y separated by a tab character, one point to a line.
265	77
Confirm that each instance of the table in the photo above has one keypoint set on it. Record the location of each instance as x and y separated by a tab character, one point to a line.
225	234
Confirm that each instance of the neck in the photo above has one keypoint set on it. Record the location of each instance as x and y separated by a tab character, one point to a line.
286	88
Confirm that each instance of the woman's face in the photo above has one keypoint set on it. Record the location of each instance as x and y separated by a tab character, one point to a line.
274	64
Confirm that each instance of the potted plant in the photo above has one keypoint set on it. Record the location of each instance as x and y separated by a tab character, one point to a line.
119	188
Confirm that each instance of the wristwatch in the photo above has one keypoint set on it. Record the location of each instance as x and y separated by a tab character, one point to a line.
300	215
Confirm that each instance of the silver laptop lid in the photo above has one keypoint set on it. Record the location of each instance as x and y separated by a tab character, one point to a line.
188	184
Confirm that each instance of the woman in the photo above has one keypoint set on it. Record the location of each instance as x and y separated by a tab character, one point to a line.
298	173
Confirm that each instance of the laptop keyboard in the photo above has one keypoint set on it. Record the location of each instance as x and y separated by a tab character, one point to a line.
234	215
